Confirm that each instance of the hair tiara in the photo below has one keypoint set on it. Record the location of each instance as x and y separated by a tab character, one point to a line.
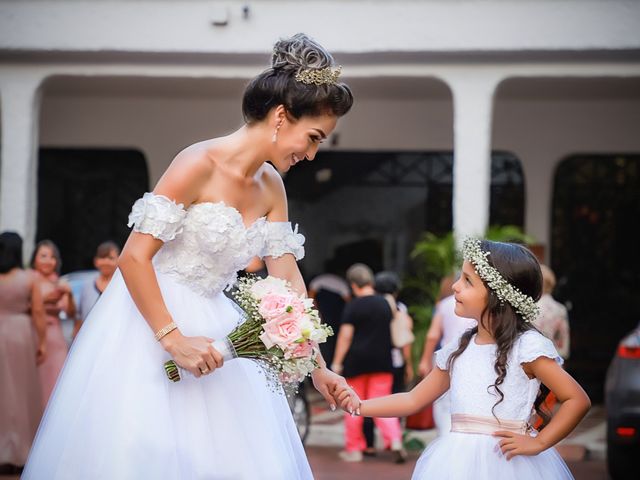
322	76
523	304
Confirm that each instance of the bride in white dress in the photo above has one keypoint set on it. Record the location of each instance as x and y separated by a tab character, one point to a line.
114	414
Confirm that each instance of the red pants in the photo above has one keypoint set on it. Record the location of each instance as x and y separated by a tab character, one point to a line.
371	385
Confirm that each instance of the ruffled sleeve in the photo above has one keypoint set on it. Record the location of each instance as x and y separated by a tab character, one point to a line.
533	345
158	216
281	238
442	355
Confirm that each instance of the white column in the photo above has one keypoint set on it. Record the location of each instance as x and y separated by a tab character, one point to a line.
19	105
472	114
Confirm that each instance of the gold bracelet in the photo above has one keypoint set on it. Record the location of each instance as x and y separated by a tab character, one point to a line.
165	330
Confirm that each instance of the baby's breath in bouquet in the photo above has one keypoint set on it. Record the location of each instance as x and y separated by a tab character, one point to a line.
282	331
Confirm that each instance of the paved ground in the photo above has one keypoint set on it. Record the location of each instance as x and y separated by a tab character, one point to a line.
327	466
584	450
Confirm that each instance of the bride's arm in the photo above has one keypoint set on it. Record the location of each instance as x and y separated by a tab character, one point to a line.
181	182
286	266
328	383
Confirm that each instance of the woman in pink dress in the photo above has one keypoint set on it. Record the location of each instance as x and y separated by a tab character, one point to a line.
22	347
57	297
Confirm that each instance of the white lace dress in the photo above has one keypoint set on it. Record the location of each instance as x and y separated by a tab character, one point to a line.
115	415
466	453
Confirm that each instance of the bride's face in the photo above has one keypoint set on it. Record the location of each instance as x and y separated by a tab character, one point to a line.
300	139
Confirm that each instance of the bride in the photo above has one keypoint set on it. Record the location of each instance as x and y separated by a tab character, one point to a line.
114	414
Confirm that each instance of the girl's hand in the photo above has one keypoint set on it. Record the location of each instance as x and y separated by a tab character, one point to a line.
513	444
194	354
348	400
330	385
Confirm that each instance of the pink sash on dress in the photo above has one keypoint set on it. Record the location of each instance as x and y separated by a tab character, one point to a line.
463	423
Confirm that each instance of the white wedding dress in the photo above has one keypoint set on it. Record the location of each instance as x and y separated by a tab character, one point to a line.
470	451
114	414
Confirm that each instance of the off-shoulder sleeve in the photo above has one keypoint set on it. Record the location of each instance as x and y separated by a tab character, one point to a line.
533	345
281	238
442	355
158	216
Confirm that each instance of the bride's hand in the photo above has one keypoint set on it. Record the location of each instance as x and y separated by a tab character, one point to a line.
194	354
331	385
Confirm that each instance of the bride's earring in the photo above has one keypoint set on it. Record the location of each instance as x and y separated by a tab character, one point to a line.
274	138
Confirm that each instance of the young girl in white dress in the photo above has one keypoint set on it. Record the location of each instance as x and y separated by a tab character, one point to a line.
114	414
493	373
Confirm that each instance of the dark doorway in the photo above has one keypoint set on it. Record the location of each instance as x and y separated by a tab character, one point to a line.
348	199
596	204
84	198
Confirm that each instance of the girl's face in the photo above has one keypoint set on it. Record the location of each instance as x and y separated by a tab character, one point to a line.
45	262
470	293
299	140
107	265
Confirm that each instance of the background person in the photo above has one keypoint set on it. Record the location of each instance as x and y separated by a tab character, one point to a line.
331	293
57	298
106	262
363	356
22	348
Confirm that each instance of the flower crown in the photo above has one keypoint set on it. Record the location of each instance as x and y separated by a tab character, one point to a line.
322	76
524	304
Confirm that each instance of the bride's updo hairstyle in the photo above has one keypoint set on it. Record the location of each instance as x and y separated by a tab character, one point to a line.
294	60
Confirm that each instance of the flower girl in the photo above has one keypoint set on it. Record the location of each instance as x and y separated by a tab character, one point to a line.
494	373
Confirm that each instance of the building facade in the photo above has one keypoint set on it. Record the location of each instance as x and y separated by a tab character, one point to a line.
548	81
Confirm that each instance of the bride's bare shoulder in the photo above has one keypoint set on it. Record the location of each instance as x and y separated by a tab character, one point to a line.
187	173
272	179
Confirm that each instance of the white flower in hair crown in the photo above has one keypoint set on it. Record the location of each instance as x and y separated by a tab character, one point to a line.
523	304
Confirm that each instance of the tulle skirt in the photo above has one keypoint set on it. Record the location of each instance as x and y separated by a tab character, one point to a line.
115	415
463	456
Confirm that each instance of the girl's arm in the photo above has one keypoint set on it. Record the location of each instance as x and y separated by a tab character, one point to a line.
404	404
575	405
181	182
575	402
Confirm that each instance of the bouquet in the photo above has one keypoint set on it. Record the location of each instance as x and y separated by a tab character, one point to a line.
281	331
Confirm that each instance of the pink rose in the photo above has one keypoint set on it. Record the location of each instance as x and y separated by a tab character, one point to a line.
301	350
273	306
281	332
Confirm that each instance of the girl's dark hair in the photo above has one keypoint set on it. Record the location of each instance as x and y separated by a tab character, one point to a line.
10	251
105	248
54	249
387	282
521	269
277	85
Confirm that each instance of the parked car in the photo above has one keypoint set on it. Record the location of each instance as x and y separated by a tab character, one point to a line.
622	401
